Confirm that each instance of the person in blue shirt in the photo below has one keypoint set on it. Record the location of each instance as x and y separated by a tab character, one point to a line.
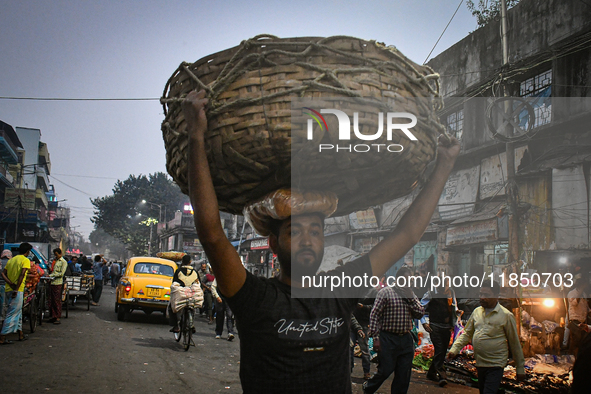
97	267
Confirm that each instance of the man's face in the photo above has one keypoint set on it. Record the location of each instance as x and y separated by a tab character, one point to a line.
300	245
203	267
74	259
57	255
487	298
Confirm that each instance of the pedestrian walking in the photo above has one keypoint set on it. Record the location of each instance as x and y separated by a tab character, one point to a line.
391	323
115	273
99	263
492	331
222	312
362	313
14	276
357	333
207	308
439	321
56	287
278	353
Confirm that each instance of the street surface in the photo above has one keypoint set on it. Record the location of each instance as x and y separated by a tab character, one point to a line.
92	352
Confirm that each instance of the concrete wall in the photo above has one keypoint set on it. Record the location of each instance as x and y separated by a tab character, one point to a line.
534	27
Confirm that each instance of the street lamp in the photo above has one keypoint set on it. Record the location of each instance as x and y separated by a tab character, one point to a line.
159	208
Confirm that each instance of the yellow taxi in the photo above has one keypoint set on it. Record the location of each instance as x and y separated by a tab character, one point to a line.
145	285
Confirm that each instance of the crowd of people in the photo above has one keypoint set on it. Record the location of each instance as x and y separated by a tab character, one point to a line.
20	276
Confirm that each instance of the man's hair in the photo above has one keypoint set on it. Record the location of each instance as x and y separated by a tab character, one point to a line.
97	258
403	271
24	247
57	250
495	287
186	259
74	257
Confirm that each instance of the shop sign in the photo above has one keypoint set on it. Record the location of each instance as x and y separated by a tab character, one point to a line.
26	197
363	219
472	233
192	246
261	243
459	194
364	245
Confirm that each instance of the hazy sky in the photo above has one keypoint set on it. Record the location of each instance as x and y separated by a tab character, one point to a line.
129	49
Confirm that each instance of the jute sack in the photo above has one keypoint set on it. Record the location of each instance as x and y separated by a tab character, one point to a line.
181	297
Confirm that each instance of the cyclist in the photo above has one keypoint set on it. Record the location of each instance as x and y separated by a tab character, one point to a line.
185	276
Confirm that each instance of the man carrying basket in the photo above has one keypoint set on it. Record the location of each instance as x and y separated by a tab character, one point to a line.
293	345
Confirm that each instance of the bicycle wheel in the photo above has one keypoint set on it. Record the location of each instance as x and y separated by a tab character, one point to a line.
41	306
178	335
186	329
33	314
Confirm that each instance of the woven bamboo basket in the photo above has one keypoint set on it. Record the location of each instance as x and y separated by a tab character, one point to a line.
251	147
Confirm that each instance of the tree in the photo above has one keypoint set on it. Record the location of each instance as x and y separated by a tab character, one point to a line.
123	215
487	11
101	241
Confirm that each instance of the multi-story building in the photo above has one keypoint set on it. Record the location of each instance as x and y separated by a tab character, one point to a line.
549	69
10	145
549	46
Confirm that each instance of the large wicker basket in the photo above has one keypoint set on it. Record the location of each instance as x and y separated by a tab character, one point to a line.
250	140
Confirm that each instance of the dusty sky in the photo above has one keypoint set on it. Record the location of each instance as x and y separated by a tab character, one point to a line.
129	49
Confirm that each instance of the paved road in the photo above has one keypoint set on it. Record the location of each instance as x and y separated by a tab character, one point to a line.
92	352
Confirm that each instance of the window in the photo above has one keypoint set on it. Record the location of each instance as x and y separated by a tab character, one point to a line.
455	124
539	89
153	268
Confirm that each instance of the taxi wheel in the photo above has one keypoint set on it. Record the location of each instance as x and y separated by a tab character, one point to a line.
116	307
121	312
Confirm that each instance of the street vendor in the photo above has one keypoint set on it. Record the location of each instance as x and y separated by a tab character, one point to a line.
56	287
14	275
294	345
578	311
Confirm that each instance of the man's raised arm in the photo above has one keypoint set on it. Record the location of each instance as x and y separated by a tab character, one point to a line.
224	260
411	227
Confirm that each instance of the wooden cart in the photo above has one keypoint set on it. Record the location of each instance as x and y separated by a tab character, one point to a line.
80	286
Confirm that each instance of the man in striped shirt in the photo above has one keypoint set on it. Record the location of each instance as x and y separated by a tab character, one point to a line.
391	321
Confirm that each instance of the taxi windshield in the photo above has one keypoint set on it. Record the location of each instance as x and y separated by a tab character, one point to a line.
154	269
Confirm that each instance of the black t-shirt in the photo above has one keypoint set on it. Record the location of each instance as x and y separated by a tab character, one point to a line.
294	345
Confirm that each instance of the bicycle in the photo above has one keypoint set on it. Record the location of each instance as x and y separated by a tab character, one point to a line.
186	327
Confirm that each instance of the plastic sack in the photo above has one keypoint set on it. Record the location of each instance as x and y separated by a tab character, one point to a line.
283	203
534	324
550	326
181	297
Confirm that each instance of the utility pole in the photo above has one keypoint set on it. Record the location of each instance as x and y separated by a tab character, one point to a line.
511	190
